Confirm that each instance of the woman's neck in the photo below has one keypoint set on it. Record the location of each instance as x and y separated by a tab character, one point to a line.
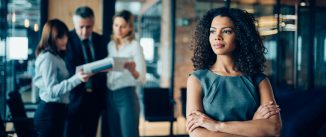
121	42
224	65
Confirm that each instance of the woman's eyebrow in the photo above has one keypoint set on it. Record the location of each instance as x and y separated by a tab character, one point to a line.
222	27
227	28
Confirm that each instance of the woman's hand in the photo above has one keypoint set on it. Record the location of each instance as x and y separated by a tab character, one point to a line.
198	119
82	76
131	67
267	110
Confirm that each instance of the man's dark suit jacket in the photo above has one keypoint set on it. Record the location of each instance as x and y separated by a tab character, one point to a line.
75	57
85	107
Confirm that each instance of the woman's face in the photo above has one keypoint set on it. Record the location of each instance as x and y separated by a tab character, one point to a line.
121	28
222	36
61	43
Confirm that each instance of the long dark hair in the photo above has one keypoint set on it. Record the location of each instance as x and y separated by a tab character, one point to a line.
52	30
249	53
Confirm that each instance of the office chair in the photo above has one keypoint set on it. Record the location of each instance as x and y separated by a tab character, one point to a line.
23	125
184	101
158	106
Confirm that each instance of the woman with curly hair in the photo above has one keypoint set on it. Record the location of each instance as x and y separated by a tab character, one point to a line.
227	94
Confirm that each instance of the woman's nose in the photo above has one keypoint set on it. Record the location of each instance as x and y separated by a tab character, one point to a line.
219	36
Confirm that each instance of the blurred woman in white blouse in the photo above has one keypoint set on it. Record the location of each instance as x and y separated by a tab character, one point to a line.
52	80
123	106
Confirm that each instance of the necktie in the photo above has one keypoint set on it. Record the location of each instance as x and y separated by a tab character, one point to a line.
88	56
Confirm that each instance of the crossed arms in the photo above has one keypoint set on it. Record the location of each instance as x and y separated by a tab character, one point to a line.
266	120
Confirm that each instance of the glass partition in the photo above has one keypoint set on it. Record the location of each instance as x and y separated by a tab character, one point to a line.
320	45
18	39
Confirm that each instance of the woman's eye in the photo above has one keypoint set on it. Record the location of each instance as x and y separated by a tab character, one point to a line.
227	31
212	31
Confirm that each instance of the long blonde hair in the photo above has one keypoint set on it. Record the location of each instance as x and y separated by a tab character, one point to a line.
126	15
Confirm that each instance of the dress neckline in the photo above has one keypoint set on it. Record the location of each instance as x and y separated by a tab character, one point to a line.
223	75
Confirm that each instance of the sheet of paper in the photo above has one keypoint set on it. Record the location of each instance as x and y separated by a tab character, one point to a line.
96	66
119	63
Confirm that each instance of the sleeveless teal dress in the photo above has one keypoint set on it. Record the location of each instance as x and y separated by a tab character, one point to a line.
229	98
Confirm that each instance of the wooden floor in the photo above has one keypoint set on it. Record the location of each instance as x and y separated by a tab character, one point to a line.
162	128
159	129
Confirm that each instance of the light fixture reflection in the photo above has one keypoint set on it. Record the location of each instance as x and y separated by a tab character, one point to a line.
148	47
26	23
13	19
303	4
35	27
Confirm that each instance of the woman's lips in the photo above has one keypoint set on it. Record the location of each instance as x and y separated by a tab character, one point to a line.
218	46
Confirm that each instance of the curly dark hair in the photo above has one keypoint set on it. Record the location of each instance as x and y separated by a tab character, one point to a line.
249	53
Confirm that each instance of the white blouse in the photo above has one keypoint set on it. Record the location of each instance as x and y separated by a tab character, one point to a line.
121	79
52	78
